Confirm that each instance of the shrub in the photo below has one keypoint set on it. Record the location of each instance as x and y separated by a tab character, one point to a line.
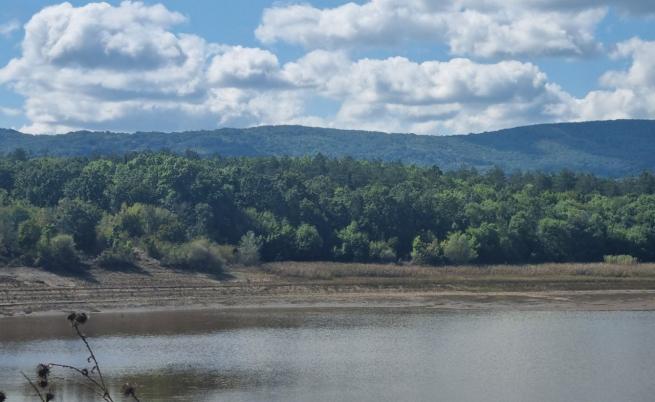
354	243
197	255
10	220
119	255
249	248
58	253
153	247
7	235
144	225
620	259
381	251
460	248
29	233
427	252
228	252
5	198
278	235
131	220
79	219
147	220
308	242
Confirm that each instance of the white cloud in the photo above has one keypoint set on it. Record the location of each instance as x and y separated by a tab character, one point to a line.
524	34
629	93
484	28
461	95
239	66
481	28
315	69
9	27
454	96
10	111
624	6
124	68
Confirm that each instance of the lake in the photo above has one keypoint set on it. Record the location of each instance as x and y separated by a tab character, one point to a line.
326	355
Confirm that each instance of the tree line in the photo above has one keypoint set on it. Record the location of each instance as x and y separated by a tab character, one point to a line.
195	213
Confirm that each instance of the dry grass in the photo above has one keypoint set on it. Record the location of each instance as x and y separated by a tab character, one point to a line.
331	270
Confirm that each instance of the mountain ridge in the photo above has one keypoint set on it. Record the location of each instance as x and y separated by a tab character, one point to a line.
608	148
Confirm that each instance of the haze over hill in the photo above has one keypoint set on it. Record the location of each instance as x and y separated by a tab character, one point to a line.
610	148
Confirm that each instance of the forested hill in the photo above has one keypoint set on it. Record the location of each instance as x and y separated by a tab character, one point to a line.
611	148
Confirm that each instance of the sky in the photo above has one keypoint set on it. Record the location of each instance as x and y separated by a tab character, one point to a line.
421	66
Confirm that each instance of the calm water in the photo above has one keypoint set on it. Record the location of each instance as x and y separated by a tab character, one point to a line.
348	355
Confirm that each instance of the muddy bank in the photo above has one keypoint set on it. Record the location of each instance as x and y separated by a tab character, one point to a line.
25	291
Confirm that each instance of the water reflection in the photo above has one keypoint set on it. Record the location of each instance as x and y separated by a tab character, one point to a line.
31	328
364	355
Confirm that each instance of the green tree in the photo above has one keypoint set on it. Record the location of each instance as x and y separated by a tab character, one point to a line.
42	181
382	251
354	243
309	243
460	248
488	239
426	250
249	249
317	207
29	233
93	183
58	254
197	255
79	219
279	236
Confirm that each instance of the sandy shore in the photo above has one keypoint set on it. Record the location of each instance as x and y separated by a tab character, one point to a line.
26	291
498	301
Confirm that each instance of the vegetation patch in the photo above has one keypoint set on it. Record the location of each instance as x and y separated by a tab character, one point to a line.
620	259
200	214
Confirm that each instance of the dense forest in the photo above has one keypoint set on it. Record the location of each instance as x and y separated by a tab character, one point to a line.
607	148
198	213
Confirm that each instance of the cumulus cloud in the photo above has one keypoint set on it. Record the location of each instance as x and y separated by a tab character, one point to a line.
9	27
239	66
10	111
524	33
88	65
125	68
474	28
483	28
624	6
627	93
430	97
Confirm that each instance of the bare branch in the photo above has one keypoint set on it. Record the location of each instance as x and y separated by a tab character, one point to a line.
36	389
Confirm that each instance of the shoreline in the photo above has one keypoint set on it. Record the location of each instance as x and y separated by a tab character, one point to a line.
598	300
29	291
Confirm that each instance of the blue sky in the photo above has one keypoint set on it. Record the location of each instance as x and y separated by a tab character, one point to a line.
424	66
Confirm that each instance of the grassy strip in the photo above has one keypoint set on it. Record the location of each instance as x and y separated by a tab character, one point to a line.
330	270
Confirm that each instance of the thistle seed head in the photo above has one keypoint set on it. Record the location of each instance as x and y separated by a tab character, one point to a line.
128	390
42	370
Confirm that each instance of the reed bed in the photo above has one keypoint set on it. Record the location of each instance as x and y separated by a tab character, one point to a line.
331	270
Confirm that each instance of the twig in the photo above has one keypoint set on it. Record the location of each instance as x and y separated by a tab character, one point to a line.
36	389
128	390
84	373
102	384
76	320
95	382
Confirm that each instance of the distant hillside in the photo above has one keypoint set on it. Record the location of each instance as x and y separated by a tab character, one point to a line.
610	148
